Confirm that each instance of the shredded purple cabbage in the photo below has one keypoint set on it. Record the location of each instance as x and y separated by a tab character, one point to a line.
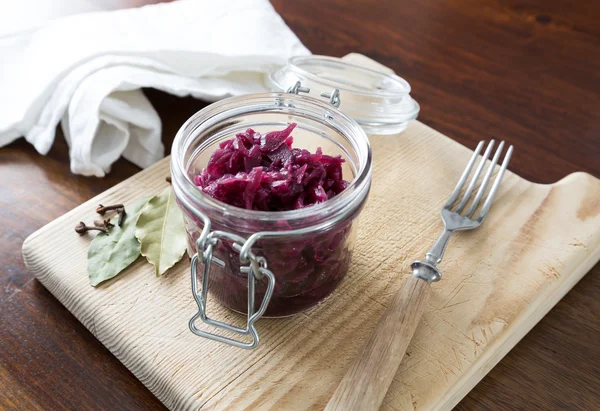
264	172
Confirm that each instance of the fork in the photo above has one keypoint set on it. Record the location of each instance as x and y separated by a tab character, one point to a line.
366	382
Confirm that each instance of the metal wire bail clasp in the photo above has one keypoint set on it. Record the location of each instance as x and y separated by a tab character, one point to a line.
334	96
256	268
298	88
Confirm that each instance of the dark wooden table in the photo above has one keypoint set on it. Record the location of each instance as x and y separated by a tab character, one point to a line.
524	70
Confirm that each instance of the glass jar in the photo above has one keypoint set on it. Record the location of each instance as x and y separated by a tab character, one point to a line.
271	263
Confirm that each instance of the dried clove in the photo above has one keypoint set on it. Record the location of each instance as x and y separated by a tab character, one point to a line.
122	214
103	209
81	228
103	223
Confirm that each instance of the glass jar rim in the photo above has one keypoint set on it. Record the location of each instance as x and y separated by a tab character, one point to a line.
319	110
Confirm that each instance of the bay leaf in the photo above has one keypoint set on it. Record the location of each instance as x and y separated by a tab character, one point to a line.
161	232
110	254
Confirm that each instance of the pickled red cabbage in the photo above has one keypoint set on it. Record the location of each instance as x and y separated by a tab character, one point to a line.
265	172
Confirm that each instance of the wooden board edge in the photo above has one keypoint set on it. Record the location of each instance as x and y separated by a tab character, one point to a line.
573	177
518	329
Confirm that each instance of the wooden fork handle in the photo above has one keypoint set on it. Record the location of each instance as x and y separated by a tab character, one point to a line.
365	384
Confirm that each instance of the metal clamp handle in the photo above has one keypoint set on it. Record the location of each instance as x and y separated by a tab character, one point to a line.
256	270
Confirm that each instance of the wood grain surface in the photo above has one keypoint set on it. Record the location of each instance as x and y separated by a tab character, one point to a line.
500	280
525	70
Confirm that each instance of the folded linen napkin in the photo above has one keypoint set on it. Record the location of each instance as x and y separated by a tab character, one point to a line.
86	72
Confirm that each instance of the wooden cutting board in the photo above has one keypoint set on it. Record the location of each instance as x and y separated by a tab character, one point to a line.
498	282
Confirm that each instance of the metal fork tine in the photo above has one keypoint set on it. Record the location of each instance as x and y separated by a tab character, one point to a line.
490	199
463	177
453	221
486	180
471	186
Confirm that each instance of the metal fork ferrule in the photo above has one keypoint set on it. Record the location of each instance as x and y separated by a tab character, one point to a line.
425	271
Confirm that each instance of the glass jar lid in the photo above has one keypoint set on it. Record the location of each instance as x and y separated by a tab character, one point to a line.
380	102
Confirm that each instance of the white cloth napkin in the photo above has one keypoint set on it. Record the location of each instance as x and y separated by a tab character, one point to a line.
86	71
